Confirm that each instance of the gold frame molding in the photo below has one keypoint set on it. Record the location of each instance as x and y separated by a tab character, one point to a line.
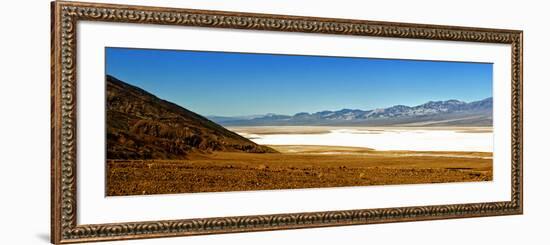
66	15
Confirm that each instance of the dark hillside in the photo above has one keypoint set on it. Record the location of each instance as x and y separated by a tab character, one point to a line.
142	126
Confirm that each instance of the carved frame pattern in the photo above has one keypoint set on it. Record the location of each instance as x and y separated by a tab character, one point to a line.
65	15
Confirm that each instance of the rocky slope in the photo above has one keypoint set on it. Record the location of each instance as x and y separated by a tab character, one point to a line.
142	126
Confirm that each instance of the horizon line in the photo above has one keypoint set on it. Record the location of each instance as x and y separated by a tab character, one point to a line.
293	114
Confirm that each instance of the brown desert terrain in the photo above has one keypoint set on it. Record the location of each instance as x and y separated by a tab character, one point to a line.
294	167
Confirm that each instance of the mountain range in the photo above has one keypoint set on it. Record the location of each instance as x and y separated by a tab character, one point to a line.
433	113
143	126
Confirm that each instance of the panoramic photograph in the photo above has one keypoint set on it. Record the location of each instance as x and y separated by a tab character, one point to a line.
182	121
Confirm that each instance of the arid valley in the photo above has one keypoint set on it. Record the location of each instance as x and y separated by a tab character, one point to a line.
186	123
314	166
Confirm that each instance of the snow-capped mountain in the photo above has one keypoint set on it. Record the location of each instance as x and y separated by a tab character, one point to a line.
449	112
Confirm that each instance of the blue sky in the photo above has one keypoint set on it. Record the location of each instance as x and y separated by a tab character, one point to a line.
237	84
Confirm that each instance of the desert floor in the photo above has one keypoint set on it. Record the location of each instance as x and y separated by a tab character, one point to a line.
297	166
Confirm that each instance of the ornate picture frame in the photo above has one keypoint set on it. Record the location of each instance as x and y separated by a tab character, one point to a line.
64	206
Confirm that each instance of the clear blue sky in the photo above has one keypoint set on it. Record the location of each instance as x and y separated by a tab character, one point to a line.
238	84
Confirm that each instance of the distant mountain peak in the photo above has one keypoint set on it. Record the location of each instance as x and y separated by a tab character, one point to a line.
299	114
453	101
